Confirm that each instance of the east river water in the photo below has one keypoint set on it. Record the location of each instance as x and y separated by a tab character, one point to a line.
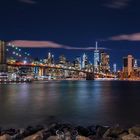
77	102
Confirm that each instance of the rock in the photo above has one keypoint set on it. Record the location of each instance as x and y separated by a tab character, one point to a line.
92	130
100	130
5	137
39	127
52	125
30	131
66	127
52	138
83	131
10	131
134	130
77	138
113	132
92	137
21	131
53	131
46	134
82	138
131	137
123	134
67	135
37	136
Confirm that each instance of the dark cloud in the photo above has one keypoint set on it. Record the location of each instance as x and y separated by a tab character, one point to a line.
117	4
45	44
28	1
127	37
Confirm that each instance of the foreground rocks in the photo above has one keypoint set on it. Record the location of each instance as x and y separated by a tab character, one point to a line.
58	131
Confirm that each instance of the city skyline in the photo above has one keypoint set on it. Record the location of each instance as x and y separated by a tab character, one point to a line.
114	24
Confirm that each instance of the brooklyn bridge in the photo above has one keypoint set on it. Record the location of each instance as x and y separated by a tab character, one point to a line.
14	60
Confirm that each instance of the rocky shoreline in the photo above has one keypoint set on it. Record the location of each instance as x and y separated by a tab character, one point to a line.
60	131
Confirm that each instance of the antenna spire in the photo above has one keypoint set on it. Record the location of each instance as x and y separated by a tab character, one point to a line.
96	45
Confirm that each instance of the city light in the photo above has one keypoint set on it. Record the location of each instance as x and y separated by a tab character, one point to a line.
24	62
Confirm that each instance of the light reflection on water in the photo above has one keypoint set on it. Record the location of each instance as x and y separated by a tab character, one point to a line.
84	102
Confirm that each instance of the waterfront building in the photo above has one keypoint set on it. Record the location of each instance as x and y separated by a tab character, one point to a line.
128	65
104	65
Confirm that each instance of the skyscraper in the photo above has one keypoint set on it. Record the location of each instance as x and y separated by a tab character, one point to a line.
84	60
114	68
104	65
50	58
135	64
77	63
62	60
96	58
128	65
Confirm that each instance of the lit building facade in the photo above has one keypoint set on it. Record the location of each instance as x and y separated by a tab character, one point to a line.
50	59
62	60
77	63
84	61
128	65
96	59
104	65
114	68
135	64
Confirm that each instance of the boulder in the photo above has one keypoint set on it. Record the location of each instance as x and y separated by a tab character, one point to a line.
83	131
37	136
92	130
46	134
130	137
135	130
52	138
10	131
5	137
82	138
100	130
113	132
67	135
123	134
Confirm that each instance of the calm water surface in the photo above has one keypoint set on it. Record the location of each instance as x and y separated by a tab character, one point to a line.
78	102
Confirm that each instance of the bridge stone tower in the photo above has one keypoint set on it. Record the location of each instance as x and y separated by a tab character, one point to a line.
90	76
3	66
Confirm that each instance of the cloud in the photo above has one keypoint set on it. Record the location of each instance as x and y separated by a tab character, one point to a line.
117	4
28	1
126	37
45	44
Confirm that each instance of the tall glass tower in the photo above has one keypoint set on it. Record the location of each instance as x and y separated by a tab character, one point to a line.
84	60
96	58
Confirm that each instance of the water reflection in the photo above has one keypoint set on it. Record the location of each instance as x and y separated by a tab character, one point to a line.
85	102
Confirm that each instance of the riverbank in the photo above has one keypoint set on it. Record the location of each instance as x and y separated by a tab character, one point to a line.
55	131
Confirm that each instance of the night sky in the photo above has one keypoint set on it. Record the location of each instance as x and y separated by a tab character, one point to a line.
75	23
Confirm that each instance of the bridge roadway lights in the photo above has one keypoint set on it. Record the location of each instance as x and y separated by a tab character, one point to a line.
90	76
